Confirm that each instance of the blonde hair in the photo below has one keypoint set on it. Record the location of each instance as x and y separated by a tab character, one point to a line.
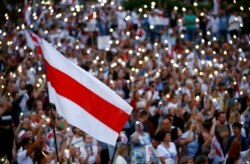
233	115
122	149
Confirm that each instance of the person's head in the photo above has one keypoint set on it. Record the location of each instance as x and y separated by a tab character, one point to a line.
234	116
88	139
186	160
142	115
237	128
166	123
185	98
199	117
139	126
26	142
38	105
206	126
222	117
152	85
123	150
155	142
165	136
201	159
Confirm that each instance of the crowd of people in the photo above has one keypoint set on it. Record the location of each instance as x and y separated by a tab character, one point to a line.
184	71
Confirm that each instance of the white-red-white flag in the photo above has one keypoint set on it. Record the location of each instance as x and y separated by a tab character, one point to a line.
82	99
33	42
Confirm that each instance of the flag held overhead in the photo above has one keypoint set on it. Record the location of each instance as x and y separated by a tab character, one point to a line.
82	99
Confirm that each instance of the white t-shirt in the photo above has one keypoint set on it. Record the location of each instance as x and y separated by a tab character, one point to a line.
22	158
120	160
169	154
84	153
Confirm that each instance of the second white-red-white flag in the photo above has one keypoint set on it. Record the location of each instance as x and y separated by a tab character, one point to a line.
82	99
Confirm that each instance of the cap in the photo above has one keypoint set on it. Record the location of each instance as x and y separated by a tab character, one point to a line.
24	134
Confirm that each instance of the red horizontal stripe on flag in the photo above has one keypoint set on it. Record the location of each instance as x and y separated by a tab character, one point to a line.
71	89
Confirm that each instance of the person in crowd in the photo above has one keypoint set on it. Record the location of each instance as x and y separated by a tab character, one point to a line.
139	139
166	151
122	153
222	130
238	136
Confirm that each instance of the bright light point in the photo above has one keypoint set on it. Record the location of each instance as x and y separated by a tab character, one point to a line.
175	8
221	66
127	18
151	27
195	70
195	4
187	51
184	9
179	56
140	10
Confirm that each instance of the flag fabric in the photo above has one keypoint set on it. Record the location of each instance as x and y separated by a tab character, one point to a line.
218	152
83	100
33	42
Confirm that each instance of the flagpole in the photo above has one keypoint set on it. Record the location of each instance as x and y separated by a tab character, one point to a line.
54	132
113	157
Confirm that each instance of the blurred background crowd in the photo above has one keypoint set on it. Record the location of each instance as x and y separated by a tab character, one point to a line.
185	72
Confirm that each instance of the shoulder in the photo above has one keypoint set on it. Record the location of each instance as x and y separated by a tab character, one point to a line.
21	154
